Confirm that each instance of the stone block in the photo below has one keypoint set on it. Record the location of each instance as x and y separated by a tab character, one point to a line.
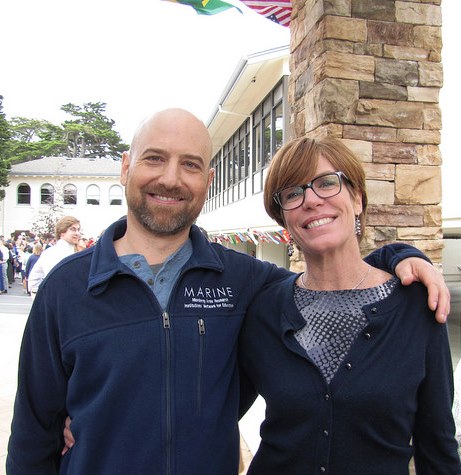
369	49
327	130
333	100
361	148
430	246
380	192
310	47
430	74
391	71
344	66
406	53
418	13
418	184
337	7
382	10
428	155
344	28
423	94
394	215
303	84
394	153
433	215
377	90
299	126
432	117
379	171
391	33
372	134
418	136
416	233
397	114
428	37
384	233
339	46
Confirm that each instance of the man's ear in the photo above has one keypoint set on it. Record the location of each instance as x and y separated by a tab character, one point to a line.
211	174
126	160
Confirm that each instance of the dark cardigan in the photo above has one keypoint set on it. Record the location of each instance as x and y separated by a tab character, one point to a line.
396	384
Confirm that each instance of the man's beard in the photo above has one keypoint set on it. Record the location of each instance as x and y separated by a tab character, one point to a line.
163	222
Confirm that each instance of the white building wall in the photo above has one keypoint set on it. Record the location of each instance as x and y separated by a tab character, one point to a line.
93	218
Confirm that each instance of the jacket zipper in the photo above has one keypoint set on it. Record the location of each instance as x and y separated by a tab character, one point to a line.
166	327
201	332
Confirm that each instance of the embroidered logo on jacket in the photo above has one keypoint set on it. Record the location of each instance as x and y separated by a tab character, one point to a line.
208	297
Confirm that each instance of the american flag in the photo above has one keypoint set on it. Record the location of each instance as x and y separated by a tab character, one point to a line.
278	11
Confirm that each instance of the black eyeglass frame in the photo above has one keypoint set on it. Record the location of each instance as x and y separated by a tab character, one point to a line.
340	175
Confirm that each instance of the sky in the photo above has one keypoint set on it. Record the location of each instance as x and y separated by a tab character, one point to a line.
138	56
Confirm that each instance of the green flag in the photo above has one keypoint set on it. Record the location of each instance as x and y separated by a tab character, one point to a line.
207	7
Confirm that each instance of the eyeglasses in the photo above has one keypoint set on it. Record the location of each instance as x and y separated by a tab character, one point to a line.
324	186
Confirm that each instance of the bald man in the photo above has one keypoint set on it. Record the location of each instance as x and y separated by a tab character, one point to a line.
135	338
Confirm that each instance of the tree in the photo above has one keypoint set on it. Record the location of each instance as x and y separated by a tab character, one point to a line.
5	137
45	221
91	133
33	138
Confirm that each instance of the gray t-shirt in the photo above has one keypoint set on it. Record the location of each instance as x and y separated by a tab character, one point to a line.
161	278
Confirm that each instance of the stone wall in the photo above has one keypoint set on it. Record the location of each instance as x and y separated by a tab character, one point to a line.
369	72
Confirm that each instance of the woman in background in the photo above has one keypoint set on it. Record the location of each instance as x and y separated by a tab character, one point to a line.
33	258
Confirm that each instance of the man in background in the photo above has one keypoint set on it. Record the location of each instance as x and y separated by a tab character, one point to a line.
68	234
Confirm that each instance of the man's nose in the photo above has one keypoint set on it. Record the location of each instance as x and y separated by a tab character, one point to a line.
170	174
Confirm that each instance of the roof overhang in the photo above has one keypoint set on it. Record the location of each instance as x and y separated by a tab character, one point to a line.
251	81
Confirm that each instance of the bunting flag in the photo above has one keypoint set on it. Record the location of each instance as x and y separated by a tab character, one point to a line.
278	11
254	236
207	7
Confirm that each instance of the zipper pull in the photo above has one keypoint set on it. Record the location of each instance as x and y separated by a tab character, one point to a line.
166	320
201	326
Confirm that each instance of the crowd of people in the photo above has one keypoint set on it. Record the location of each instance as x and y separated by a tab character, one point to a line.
20	253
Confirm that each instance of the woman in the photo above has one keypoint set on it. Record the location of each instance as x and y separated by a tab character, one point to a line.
31	261
355	371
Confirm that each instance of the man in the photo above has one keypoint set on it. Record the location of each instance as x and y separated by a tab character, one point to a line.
135	338
68	233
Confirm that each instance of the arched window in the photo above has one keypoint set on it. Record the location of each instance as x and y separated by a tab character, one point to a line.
23	194
47	194
92	195
70	194
115	195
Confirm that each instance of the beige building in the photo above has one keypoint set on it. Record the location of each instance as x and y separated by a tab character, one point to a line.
88	189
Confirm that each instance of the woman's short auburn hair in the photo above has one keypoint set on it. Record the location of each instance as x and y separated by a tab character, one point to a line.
296	164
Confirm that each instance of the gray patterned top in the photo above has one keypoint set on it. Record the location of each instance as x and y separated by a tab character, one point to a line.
334	319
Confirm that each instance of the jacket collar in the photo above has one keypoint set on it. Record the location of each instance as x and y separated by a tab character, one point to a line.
105	263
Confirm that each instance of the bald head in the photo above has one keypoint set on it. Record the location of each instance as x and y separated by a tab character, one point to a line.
167	172
174	123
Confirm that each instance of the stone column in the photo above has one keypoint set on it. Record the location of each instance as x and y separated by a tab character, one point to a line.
369	72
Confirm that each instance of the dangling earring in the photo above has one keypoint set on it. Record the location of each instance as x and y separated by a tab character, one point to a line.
290	247
358	226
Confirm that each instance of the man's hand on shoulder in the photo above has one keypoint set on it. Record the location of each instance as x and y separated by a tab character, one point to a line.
414	269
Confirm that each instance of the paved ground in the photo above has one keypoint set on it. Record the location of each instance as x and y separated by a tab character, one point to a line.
14	308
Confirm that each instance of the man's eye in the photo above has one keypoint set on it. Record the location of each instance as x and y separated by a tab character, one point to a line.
192	165
153	158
